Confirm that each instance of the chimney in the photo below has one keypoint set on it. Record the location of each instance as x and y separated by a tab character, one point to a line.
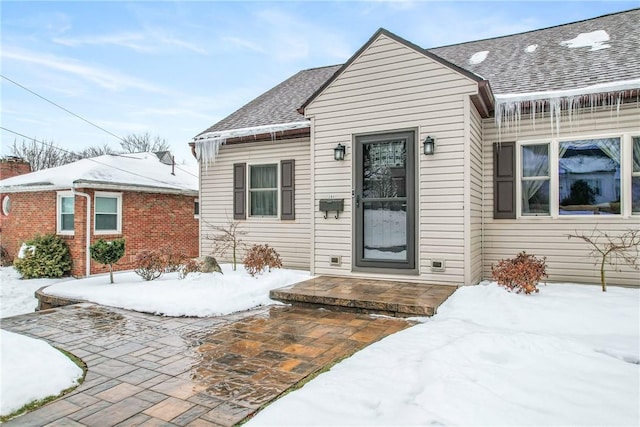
13	166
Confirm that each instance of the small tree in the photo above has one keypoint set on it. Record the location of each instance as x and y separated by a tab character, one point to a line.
612	250
107	253
227	239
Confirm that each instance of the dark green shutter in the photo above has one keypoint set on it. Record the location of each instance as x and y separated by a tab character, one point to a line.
287	189
504	180
239	190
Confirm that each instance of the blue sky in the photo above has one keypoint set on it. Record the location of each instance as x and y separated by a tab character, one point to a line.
175	68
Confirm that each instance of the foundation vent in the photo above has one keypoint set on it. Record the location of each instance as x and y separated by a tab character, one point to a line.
336	260
437	265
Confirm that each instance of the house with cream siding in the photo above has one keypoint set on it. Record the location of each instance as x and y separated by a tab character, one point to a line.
430	165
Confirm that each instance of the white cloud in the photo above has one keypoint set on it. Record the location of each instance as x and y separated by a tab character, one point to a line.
108	79
152	40
247	44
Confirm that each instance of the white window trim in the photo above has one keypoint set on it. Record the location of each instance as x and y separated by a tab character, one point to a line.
59	196
6	205
625	177
248	201
117	196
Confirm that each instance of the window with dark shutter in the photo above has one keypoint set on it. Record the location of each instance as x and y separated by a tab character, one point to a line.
287	189
239	191
504	182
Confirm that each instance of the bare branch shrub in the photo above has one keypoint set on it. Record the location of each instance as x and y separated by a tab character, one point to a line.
138	143
259	257
521	273
227	239
612	250
149	265
190	266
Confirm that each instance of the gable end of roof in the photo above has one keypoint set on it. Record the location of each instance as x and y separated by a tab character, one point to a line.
398	39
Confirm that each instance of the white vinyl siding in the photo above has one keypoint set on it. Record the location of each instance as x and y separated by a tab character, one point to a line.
567	260
391	87
289	238
475	198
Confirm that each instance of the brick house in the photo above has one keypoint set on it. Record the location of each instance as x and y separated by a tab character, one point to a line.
140	197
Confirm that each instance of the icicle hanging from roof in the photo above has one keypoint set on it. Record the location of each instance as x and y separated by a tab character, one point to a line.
509	108
208	144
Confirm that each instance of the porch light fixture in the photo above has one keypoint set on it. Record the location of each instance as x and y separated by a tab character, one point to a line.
338	152
429	146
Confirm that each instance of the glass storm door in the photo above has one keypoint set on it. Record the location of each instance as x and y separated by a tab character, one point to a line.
384	201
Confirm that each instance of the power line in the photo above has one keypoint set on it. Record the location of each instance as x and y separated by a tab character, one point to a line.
75	115
94	160
62	108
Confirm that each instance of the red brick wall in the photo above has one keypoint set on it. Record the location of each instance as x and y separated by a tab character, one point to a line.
13	167
149	221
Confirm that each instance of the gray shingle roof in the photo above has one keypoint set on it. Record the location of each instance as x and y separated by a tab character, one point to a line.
553	66
280	104
508	67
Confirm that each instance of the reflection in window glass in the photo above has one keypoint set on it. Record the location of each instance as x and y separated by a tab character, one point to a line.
263	190
385	230
106	213
589	177
635	178
535	179
66	213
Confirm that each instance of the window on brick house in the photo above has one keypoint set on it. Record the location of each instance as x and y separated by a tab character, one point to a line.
65	212
108	213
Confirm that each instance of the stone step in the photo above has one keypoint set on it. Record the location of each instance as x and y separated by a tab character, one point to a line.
393	298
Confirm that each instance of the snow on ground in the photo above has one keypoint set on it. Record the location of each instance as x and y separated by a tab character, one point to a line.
199	294
566	356
31	369
16	295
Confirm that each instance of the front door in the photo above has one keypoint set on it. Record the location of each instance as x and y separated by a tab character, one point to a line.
384	201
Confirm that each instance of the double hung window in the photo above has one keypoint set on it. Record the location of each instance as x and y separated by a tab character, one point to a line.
263	190
108	213
635	176
66	213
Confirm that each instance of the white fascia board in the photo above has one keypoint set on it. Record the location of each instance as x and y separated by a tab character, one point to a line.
255	130
141	188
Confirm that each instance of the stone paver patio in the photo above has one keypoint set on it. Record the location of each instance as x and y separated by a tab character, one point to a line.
147	370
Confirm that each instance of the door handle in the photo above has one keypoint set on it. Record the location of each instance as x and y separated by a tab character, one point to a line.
357	201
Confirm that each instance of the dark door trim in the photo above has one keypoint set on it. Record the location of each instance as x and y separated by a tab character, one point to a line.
384	266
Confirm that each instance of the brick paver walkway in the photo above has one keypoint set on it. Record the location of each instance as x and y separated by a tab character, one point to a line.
147	370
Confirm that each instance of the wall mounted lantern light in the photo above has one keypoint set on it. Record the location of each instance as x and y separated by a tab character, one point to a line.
429	146
338	152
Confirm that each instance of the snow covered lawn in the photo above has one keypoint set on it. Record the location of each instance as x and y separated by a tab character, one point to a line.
31	370
199	294
566	356
16	295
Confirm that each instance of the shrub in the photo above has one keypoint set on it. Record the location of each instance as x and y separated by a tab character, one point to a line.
259	257
107	253
171	260
149	264
190	266
5	258
521	273
44	256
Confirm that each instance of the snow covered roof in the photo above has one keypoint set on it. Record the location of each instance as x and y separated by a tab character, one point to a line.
543	64
279	104
585	53
137	172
